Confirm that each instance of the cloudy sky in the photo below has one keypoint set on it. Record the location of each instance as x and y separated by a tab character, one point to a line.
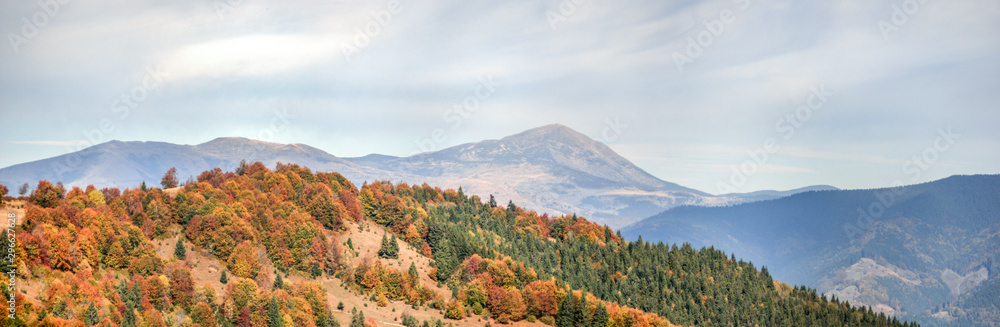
793	93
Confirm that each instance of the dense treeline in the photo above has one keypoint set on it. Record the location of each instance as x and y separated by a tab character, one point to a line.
684	285
94	252
976	308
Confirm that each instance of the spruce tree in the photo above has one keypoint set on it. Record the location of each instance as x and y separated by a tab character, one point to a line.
445	259
128	319
224	279
273	314
580	311
358	318
179	251
91	317
278	282
389	248
564	317
600	316
413	272
394	247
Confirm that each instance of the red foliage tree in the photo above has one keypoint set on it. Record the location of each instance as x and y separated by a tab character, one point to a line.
169	179
181	284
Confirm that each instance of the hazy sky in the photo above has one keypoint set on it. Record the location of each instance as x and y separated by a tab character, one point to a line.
682	88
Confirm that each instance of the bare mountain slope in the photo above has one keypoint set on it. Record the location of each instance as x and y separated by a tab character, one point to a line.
551	169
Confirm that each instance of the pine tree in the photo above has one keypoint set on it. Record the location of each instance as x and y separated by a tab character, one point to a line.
445	259
273	314
413	272
179	251
389	248
224	279
91	317
493	201
580	312
278	282
394	247
600	316
358	318
564	317
128	319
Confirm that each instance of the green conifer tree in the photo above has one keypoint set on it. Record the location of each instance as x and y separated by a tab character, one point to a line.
413	272
278	282
358	318
179	251
389	248
600	316
273	314
91	316
564	317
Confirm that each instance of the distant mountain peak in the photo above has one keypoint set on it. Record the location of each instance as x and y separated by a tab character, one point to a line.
235	140
553	132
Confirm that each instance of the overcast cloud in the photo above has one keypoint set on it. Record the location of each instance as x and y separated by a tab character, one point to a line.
191	71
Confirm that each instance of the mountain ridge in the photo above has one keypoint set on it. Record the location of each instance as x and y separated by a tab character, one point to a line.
937	233
553	168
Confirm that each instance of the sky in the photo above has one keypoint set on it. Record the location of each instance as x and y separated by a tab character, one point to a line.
722	96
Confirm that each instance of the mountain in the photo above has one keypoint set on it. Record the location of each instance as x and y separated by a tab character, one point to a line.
773	194
552	169
126	164
905	251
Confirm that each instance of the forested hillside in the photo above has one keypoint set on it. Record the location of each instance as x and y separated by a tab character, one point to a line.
686	286
908	250
94	257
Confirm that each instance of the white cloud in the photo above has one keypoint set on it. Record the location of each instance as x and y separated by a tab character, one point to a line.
249	56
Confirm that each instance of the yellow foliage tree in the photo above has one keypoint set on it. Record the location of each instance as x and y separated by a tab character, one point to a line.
243	262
